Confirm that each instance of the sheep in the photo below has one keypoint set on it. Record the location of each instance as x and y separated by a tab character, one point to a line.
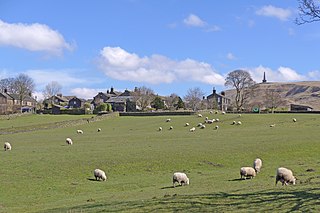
211	112
207	118
199	124
100	175
233	122
200	115
223	113
171	128
168	120
257	164
160	129
247	172
181	178
99	130
285	176
239	123
187	124
272	125
202	126
216	127
294	120
7	146
69	141
79	131
217	120
192	129
210	121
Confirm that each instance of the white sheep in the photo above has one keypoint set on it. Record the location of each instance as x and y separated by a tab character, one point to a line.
294	120
272	125
257	164
233	122
187	124
216	127
247	172
223	113
199	124
160	128
69	141
192	129
181	178
202	126
210	121
79	131
285	176
171	128
207	118
200	115
99	130
211	112
217	120
100	175
7	146
168	120
239	123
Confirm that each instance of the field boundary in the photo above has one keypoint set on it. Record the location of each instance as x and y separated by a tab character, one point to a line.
162	113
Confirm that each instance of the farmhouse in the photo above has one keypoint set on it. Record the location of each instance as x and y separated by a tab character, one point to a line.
221	101
11	103
124	102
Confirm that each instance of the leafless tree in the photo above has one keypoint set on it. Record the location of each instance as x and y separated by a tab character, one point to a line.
143	97
6	84
273	99
172	100
309	11
242	82
51	89
193	97
23	86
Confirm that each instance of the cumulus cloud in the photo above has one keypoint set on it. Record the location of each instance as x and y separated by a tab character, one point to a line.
230	56
276	12
33	37
282	74
86	93
194	21
118	64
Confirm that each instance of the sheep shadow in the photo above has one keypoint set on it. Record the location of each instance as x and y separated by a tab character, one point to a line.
238	179
168	187
92	179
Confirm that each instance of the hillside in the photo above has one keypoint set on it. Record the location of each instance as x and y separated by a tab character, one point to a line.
301	93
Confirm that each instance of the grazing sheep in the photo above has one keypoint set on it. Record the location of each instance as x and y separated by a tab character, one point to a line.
187	124
239	115
210	121
285	176
272	125
7	146
181	178
171	128
99	130
100	175
192	129
247	172
199	124
217	120
257	164
233	122
168	120
223	113
69	141
160	128
79	131
239	123
202	126
294	120
199	115
211	112
207	118
216	127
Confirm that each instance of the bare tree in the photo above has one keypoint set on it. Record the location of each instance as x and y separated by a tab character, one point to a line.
23	86
309	11
193	97
172	100
51	89
240	80
143	97
6	84
273	99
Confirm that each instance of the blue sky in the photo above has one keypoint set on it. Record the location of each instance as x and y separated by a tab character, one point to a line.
168	45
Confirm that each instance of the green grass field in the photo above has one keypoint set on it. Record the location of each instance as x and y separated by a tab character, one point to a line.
42	174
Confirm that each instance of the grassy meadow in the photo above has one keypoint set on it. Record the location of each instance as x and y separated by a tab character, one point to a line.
43	174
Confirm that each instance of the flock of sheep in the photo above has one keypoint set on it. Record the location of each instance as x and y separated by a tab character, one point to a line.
284	175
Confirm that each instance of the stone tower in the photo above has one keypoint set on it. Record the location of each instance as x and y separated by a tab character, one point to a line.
264	80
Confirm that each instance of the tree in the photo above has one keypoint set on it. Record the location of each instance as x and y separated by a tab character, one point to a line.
23	86
180	104
51	89
158	103
194	97
171	101
143	97
240	80
6	84
273	99
309	11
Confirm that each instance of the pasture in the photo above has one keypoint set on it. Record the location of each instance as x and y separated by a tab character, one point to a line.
43	174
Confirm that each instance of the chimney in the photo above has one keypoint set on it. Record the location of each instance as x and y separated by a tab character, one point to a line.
59	94
214	90
5	90
111	90
107	91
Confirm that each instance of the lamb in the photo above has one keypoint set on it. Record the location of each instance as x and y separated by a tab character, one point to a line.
100	175
69	141
192	129
210	121
199	124
233	122
294	120
223	113
199	115
217	120
247	172
168	120
99	130
216	127
239	123
257	164
272	125
285	176
171	128
187	124
79	131
160	128
181	178
7	146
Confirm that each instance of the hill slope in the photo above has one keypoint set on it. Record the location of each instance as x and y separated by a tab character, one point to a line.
301	93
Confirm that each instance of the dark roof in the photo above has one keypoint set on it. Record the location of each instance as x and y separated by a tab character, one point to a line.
120	99
27	98
127	93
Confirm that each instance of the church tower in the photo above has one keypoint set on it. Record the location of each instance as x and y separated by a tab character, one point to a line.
264	80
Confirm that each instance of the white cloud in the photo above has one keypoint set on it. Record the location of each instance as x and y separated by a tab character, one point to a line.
33	37
86	93
118	64
276	12
194	21
230	56
214	28
282	74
